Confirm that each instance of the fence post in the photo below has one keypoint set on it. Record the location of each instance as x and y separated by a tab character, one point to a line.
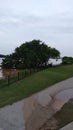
30	71
34	70
25	72
18	75
8	79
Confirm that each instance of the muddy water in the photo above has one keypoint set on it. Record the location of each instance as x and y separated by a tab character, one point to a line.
6	72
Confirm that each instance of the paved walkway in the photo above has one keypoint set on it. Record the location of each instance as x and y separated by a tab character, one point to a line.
68	127
15	116
1	129
45	98
12	117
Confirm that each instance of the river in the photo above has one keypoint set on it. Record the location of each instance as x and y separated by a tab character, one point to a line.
6	72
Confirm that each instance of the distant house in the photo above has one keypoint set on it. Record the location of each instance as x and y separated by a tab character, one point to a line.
54	61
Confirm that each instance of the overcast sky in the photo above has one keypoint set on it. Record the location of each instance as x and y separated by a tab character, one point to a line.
51	21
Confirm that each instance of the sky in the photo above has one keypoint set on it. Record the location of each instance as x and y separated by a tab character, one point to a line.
51	21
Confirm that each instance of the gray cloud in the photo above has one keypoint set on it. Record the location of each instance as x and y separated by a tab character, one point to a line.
50	21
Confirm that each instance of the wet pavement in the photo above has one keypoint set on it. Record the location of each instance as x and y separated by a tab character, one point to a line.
11	117
68	127
43	105
65	95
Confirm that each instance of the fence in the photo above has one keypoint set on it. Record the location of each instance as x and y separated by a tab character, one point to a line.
16	77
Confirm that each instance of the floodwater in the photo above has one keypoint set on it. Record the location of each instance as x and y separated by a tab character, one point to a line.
6	72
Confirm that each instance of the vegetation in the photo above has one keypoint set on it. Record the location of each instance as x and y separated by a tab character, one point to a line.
10	79
65	115
34	83
67	60
31	54
2	56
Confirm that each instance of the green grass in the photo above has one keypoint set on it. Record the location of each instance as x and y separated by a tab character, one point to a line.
34	83
65	115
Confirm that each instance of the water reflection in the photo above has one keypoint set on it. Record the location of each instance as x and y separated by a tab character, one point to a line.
65	95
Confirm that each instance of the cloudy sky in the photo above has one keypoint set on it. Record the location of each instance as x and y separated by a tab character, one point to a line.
48	20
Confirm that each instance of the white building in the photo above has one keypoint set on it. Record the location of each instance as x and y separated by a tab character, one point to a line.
54	61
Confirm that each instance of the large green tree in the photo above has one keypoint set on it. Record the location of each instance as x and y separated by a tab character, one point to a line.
54	53
31	54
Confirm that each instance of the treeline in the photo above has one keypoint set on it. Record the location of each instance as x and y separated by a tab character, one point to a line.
30	54
67	60
2	56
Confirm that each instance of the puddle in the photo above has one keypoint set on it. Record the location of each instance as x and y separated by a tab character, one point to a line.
65	95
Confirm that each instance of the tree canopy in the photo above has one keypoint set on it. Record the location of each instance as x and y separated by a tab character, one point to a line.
67	60
30	54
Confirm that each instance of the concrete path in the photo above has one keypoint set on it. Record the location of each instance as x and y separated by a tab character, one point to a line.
45	99
12	117
1	129
68	127
29	111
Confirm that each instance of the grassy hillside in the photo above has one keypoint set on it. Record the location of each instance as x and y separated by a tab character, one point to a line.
34	83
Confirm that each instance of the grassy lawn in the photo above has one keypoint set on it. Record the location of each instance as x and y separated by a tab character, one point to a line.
34	83
65	116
